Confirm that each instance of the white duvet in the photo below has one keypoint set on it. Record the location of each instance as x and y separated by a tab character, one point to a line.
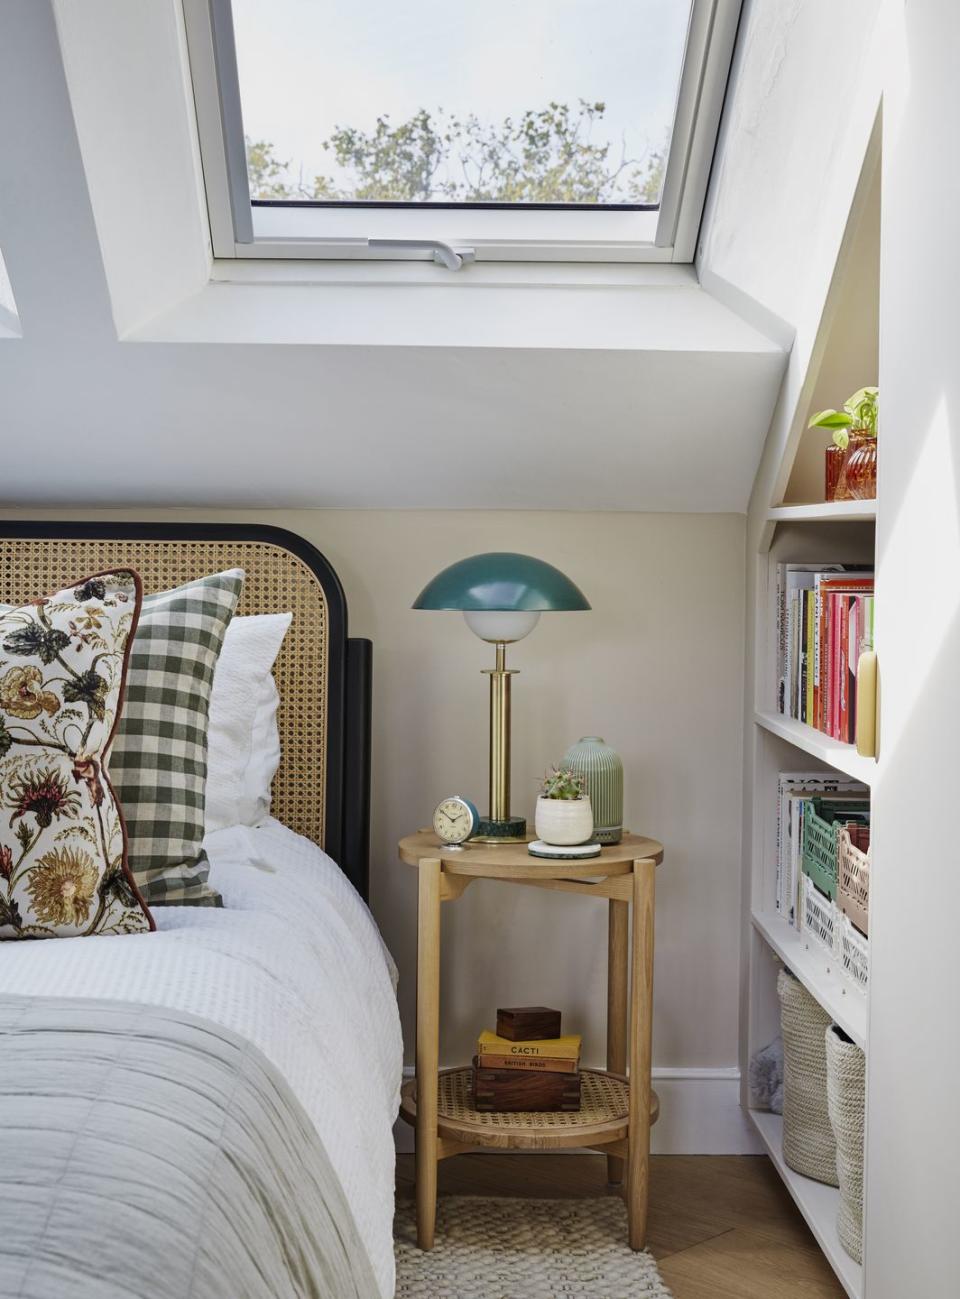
294	963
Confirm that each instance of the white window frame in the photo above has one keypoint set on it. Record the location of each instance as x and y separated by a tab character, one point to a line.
527	235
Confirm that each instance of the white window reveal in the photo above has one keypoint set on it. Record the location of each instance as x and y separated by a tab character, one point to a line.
513	130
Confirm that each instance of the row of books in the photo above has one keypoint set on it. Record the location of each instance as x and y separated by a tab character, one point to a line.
824	622
514	1071
796	792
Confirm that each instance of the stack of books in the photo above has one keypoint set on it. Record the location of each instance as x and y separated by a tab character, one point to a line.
824	621
526	1064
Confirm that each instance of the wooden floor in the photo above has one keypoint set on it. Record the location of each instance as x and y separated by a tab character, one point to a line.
721	1227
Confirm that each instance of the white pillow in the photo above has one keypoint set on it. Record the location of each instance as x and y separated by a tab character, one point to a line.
243	743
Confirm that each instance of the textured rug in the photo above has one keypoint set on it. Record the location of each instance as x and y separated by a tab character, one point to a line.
490	1248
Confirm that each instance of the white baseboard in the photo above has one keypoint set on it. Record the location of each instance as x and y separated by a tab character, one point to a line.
700	1114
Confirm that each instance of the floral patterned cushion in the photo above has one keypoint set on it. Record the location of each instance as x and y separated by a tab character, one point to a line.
63	853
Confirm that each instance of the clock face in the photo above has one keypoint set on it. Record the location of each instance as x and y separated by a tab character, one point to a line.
453	820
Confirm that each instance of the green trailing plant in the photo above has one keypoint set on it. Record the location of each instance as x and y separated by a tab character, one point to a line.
561	782
859	414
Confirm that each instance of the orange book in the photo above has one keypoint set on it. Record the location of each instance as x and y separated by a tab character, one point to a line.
546	1064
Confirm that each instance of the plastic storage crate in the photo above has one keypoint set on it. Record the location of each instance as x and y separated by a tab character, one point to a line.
853	881
819	916
819	850
854	950
821	821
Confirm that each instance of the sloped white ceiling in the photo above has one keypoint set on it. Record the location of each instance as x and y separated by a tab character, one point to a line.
649	397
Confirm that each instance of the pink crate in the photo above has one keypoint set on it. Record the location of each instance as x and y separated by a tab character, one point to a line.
853	881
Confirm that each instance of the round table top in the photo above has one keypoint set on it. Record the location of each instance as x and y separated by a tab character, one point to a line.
510	860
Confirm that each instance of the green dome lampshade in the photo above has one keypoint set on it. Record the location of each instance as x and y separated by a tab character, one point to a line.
503	580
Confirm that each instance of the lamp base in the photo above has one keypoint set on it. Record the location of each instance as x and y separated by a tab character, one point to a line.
512	830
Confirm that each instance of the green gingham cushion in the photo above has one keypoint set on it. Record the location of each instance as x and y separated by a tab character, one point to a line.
158	762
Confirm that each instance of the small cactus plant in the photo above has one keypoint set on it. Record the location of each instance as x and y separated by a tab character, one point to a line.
561	782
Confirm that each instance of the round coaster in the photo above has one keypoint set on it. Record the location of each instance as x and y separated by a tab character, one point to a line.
576	851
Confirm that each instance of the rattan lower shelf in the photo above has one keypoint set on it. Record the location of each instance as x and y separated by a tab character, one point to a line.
602	1119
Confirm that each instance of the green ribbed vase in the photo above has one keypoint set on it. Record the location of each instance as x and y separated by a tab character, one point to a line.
602	772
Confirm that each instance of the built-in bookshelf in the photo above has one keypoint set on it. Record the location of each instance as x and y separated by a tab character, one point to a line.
811	535
790	527
781	743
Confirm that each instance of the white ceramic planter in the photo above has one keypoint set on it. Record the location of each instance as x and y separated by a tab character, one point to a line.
564	821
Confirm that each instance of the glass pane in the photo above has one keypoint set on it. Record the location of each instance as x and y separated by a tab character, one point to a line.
511	101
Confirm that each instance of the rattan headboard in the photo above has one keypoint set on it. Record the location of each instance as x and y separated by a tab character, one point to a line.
322	787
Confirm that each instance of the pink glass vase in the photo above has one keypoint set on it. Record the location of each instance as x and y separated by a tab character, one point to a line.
858	477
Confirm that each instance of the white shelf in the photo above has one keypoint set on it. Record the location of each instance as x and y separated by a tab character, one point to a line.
818	1204
818	973
843	757
824	512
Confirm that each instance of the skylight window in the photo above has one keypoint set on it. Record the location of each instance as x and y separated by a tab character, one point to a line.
516	129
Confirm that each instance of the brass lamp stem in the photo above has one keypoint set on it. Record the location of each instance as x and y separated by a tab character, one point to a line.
500	735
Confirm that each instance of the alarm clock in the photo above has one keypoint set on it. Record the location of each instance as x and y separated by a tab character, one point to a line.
455	821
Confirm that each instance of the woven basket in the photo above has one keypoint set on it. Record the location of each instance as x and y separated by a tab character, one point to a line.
808	1142
846	1099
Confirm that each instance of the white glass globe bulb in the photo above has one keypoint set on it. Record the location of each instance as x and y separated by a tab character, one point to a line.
501	624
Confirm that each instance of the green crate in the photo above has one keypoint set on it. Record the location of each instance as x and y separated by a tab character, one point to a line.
821	825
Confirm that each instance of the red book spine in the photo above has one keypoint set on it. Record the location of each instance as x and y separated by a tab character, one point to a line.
853	661
831	702
820	686
814	718
844	621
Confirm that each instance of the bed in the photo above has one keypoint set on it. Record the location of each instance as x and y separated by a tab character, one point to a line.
208	1110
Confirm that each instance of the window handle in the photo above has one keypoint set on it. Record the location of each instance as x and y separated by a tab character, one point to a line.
444	254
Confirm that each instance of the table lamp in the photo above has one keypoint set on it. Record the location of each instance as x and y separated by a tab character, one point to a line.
501	596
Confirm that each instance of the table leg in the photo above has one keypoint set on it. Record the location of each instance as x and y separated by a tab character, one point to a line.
618	964
641	1038
428	1047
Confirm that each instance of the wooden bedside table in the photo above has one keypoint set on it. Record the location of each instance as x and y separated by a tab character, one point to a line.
615	1116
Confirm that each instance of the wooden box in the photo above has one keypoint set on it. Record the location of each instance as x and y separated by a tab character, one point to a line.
497	1091
526	1023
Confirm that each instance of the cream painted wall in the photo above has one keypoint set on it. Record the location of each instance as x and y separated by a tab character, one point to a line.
656	668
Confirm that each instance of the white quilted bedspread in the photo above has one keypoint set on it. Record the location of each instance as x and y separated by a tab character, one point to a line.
294	963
